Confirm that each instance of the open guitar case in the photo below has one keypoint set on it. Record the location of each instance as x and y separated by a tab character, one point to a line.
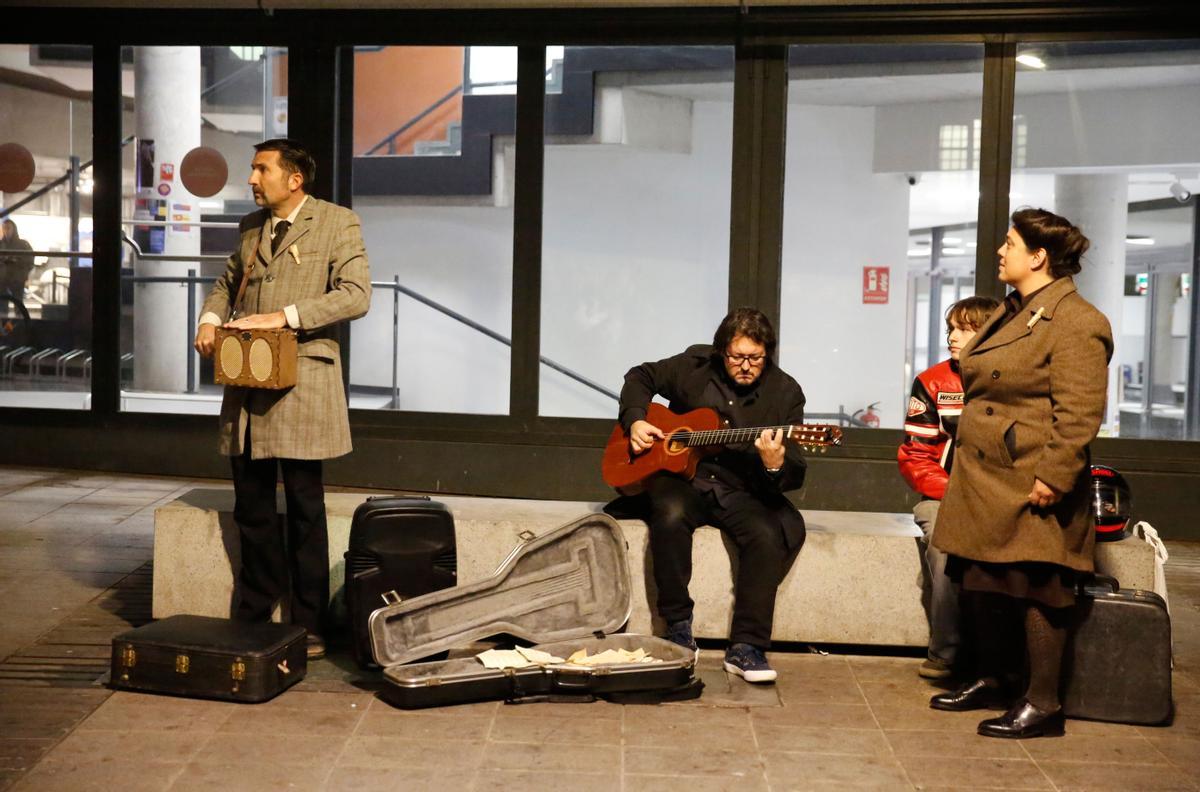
564	591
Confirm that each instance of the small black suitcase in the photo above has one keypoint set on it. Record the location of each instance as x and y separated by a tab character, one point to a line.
1118	663
397	544
204	657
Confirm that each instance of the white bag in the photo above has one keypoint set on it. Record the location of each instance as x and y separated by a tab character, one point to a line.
1146	531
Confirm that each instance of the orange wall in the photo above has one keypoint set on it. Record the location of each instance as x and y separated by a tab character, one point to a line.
395	84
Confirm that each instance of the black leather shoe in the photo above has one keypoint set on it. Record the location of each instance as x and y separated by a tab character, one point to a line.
1024	720
980	694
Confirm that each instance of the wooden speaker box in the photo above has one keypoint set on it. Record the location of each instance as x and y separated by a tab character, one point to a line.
255	358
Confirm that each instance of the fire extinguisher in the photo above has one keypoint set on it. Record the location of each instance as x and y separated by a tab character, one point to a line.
868	417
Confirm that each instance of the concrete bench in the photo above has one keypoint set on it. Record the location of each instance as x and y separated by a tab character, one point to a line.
857	580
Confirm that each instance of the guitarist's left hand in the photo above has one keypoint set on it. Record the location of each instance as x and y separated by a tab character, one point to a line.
770	448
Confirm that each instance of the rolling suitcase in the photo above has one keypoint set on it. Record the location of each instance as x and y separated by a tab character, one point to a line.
397	544
204	657
563	591
1118	663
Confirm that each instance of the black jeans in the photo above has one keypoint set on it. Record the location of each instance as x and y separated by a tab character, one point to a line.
676	509
267	562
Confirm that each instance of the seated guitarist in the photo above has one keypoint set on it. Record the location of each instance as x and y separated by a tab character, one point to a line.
739	490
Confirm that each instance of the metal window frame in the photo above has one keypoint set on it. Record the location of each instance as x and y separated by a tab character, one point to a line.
493	451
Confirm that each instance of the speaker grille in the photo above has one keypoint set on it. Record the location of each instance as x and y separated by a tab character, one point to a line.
231	357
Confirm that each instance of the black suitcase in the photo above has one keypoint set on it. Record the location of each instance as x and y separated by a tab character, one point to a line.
397	544
204	657
1118	663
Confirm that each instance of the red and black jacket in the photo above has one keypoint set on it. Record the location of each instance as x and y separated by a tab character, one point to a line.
930	423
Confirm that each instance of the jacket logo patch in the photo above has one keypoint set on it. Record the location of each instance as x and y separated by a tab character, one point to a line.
950	400
915	406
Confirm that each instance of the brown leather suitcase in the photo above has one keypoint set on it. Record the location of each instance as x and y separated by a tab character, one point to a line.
205	657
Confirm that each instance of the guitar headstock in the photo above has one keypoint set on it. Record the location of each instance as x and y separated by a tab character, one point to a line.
816	437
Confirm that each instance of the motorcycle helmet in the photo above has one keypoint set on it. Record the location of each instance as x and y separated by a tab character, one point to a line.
1111	503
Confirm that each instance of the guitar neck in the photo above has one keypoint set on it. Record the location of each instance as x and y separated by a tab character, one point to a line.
727	436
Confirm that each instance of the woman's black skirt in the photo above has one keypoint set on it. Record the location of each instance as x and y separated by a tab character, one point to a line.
1045	583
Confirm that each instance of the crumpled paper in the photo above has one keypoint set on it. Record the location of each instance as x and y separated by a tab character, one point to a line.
522	657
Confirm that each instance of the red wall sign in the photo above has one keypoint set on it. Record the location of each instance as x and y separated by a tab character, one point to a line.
877	282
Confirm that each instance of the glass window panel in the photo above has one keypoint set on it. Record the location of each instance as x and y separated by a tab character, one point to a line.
1107	134
880	205
179	216
635	252
437	221
46	195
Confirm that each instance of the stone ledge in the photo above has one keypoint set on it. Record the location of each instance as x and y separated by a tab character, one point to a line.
857	580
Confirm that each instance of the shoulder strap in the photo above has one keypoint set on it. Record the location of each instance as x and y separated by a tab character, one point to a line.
247	268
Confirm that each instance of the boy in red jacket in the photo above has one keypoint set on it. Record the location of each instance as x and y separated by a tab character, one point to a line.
925	458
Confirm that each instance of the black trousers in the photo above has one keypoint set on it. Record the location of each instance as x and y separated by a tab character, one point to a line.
269	562
676	509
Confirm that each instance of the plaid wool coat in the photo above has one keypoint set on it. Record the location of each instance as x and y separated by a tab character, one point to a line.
1034	399
321	268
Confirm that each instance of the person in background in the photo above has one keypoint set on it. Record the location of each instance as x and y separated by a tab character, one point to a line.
16	261
1016	517
925	459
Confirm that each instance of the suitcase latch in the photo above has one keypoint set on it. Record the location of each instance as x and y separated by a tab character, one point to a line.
238	670
182	664
390	597
128	657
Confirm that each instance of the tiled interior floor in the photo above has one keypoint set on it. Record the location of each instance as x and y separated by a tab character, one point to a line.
74	550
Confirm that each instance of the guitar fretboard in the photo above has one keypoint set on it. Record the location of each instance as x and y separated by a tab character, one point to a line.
747	435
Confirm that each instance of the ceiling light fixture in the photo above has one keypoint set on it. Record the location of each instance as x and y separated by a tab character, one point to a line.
1179	192
1134	239
1031	60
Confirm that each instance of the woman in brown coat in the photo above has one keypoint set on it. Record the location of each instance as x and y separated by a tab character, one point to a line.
1015	515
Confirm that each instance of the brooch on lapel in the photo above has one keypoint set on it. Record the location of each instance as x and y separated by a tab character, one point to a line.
1034	320
295	251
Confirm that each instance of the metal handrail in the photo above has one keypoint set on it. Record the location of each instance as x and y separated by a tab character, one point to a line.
397	289
390	140
33	196
195	223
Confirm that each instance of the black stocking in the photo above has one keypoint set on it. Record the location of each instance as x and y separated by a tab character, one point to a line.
1046	639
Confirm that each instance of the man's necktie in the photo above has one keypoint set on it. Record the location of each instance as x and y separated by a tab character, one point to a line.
281	229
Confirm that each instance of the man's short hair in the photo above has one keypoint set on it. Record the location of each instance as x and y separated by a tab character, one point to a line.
749	322
970	313
293	158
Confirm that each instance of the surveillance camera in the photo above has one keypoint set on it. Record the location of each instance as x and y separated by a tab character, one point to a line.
1181	193
913	179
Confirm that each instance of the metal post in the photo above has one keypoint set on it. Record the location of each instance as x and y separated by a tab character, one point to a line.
1148	352
191	326
935	327
396	344
73	198
1191	402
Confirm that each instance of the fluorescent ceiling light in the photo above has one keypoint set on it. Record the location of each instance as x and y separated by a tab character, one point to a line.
1139	240
950	240
918	252
953	251
1031	60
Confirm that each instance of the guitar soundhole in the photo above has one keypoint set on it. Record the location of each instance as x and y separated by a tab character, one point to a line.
675	446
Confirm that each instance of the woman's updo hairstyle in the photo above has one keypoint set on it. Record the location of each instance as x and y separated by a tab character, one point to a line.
1064	243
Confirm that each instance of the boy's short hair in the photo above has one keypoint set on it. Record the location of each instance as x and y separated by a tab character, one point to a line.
970	312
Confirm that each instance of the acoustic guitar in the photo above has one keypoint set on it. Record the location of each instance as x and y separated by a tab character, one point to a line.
688	438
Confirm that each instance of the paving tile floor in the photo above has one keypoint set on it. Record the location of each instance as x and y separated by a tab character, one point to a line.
74	570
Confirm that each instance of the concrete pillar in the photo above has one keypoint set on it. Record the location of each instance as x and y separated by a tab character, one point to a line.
1099	205
167	88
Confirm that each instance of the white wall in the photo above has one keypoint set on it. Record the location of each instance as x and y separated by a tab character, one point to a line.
839	216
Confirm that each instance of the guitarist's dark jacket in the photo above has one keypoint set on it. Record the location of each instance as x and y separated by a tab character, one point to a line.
696	378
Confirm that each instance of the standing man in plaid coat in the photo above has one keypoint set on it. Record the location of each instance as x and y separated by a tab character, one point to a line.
307	270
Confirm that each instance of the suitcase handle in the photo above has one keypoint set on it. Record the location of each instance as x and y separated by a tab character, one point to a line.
1099	581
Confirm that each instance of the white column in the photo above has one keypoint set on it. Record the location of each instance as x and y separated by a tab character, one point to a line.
1099	205
167	88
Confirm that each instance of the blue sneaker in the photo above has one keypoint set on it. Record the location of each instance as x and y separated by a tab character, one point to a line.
680	632
749	663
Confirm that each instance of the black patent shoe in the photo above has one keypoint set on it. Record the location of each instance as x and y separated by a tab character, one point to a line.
1024	720
980	694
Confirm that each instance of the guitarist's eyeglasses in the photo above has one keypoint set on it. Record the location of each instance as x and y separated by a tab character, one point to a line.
738	360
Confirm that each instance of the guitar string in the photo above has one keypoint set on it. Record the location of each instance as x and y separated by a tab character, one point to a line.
717	436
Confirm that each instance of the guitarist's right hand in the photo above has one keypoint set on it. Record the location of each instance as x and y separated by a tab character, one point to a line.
642	435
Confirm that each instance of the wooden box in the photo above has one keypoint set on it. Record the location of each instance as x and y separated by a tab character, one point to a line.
255	358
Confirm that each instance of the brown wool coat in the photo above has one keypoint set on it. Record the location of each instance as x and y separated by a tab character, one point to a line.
1034	400
321	268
